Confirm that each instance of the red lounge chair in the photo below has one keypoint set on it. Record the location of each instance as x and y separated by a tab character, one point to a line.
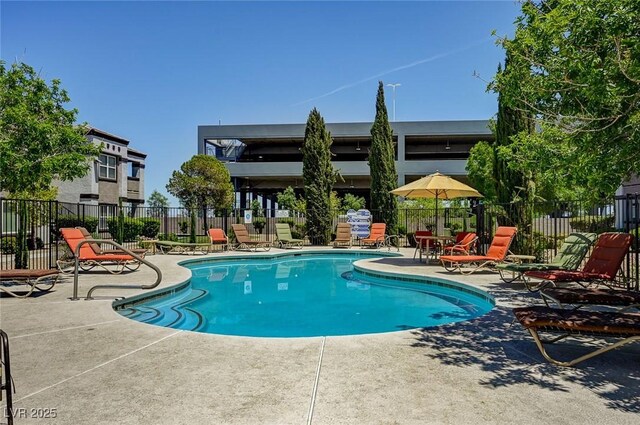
376	236
40	279
495	254
218	237
602	267
578	323
87	257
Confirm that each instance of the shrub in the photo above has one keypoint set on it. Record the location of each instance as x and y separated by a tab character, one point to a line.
88	222
590	223
132	228
150	227
8	245
184	226
37	244
259	223
172	237
402	230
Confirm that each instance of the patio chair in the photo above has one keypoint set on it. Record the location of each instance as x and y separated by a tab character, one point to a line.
88	258
569	257
218	238
244	240
141	252
284	237
376	236
496	253
578	323
41	279
601	267
343	235
464	244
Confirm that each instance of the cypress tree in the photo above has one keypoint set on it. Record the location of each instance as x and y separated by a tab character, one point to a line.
384	177
319	177
514	189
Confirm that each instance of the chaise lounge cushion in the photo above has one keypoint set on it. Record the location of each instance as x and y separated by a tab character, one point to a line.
576	321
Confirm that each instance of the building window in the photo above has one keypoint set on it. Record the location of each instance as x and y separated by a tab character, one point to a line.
107	167
105	212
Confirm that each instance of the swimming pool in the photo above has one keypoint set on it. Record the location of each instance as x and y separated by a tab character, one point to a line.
302	295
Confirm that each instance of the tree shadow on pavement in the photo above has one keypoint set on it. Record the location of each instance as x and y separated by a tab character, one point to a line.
509	356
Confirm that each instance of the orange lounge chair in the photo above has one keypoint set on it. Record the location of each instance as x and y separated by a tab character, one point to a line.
141	252
376	236
218	237
244	240
343	235
464	244
87	257
496	253
40	279
578	323
601	267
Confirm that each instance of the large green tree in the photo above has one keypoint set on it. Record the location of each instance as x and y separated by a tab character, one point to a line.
202	182
319	176
384	177
576	66
39	140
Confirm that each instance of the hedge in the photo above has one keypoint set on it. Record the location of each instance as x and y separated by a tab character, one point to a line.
88	222
132	228
150	227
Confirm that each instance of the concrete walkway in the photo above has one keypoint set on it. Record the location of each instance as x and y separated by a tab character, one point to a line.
89	365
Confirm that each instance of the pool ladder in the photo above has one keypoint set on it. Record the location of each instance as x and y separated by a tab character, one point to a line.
126	250
6	382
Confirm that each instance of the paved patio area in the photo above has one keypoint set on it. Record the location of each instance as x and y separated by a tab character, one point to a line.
95	367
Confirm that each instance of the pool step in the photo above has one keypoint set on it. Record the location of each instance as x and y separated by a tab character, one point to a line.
172	313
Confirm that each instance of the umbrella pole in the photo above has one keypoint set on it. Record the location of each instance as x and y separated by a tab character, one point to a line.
436	229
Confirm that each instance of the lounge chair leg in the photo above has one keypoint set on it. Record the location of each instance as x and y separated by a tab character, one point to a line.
587	356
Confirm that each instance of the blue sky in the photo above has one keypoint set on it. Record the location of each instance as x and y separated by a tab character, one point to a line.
152	72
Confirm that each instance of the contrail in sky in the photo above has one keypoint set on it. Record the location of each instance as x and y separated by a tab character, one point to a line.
399	68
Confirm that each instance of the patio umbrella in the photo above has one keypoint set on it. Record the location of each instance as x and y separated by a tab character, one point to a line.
436	186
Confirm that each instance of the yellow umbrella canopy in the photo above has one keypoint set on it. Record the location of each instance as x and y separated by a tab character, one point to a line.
436	186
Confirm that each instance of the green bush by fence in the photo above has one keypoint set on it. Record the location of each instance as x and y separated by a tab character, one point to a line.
132	228
88	222
592	223
150	227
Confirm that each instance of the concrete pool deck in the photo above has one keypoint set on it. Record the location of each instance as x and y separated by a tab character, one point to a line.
94	366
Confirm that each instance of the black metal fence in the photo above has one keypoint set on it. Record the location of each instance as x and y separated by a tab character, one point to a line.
541	227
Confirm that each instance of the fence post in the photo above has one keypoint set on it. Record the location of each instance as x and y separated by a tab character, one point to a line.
480	224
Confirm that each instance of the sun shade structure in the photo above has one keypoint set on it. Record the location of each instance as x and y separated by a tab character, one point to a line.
437	186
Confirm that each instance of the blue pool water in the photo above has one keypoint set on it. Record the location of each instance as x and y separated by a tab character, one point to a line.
304	295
